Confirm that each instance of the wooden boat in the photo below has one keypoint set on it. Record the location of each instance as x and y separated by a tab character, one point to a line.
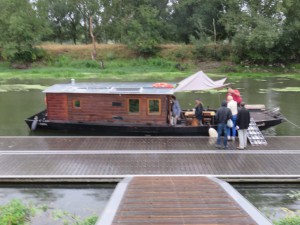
125	109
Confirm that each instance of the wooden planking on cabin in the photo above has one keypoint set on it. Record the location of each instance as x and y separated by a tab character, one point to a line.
95	107
57	108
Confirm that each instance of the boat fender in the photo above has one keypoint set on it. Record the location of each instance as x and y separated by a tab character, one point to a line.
212	132
34	123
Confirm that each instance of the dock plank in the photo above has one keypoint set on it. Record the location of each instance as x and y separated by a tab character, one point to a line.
135	143
178	201
85	157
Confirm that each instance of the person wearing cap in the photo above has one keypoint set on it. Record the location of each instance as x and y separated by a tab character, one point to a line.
198	110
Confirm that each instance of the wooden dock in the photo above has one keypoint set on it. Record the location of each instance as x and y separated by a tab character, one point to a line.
172	189
178	201
98	158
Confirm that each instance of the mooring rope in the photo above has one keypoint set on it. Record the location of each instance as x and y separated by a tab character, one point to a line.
292	123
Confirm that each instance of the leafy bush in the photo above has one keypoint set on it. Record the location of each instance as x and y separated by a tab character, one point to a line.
15	213
291	220
211	51
64	61
18	213
27	56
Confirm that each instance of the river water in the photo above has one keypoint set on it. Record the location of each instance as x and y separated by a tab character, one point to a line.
275	201
18	104
81	200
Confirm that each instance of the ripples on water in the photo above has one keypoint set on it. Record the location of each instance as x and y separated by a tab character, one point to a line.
271	199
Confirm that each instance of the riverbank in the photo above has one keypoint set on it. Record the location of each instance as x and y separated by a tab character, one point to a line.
118	63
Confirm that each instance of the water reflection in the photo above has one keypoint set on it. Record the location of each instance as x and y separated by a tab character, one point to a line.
270	199
82	200
18	105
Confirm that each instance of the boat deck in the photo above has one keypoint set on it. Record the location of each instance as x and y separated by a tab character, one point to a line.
178	201
96	158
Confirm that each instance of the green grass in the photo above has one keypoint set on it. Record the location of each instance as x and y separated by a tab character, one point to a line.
114	70
138	69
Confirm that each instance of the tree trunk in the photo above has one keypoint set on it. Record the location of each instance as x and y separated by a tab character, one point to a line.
215	37
93	39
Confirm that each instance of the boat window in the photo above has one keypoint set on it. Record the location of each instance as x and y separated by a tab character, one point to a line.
117	104
133	106
76	104
154	107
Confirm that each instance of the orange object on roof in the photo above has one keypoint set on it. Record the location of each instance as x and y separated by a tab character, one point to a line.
162	85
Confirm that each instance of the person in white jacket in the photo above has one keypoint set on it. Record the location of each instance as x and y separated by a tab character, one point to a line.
232	105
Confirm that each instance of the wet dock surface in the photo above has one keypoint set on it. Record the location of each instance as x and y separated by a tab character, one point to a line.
100	157
178	201
135	143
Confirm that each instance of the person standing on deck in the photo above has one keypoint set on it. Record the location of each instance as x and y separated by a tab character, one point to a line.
198	110
223	114
232	105
176	110
242	124
236	95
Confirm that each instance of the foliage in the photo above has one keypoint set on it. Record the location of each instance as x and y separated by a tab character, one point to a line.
70	219
143	30
15	213
292	218
139	69
18	213
255	30
294	194
21	28
211	51
250	32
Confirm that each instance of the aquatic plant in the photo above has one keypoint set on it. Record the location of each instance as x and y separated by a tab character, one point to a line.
294	195
292	218
15	213
18	213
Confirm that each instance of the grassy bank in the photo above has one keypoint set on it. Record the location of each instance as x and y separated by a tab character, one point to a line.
172	63
114	70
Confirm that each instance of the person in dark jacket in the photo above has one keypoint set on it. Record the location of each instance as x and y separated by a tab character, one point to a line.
242	124
223	114
198	110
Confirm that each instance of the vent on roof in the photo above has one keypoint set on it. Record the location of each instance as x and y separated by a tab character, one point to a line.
93	88
127	90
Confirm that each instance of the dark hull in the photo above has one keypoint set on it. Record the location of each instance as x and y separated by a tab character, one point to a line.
133	129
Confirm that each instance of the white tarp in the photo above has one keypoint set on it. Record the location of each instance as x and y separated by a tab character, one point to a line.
199	81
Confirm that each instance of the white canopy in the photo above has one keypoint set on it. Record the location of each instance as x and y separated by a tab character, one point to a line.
198	82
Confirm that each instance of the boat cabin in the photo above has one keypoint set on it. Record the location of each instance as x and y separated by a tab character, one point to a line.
128	103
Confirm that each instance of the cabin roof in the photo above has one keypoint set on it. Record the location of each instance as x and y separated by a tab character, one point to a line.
109	88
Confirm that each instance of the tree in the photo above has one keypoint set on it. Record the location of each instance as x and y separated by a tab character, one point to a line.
289	46
254	28
21	28
195	18
143	30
